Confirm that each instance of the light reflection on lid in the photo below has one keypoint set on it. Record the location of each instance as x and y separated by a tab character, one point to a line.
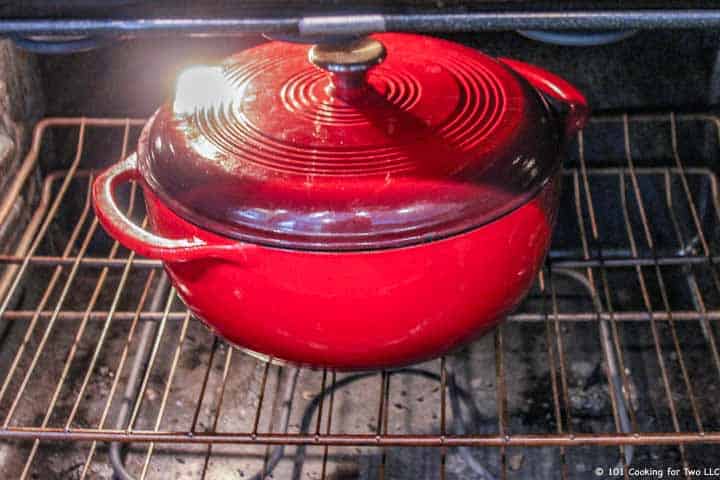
202	88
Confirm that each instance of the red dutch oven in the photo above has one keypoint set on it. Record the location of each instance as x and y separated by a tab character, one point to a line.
353	206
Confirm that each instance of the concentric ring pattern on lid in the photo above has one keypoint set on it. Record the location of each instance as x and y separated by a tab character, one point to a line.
438	139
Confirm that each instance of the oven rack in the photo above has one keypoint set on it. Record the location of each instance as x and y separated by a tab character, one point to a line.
650	180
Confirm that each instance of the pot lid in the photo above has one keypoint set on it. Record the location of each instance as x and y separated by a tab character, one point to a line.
388	141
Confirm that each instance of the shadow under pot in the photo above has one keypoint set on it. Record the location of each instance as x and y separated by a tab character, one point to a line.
352	206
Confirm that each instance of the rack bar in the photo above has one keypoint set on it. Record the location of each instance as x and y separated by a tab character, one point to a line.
353	24
367	440
627	316
101	262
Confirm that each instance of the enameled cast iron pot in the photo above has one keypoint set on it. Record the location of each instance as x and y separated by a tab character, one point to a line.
315	206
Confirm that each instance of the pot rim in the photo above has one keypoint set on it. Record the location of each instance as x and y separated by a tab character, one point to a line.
554	177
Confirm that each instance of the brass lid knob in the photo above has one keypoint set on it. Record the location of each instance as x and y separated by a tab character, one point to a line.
348	62
356	56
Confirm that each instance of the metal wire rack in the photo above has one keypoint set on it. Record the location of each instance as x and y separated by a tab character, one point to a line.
614	354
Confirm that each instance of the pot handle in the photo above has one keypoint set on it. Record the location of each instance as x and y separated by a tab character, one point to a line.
141	241
559	89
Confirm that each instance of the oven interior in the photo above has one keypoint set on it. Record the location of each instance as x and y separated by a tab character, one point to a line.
611	362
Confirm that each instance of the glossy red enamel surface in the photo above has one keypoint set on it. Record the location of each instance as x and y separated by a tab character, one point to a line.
383	263
439	140
364	310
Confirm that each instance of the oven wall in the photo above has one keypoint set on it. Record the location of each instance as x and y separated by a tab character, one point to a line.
21	105
654	69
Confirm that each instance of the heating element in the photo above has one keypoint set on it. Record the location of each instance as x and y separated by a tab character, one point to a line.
613	356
